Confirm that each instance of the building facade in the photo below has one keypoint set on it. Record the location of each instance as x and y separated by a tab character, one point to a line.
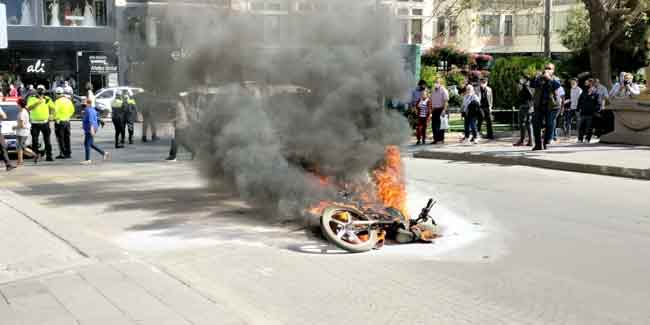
51	40
507	26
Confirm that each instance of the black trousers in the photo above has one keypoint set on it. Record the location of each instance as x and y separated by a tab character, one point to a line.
180	138
438	134
130	129
487	118
119	126
37	130
62	132
4	154
586	127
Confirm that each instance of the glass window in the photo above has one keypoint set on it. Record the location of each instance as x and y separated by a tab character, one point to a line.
417	12
507	28
490	25
441	26
74	13
106	94
20	12
416	31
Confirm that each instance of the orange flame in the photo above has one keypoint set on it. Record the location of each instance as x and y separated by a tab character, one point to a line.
388	190
390	182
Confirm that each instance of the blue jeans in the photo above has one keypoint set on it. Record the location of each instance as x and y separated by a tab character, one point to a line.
552	125
471	125
89	142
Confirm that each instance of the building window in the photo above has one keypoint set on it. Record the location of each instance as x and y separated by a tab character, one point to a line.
417	12
20	12
74	13
403	12
453	27
404	31
416	31
441	26
529	24
507	28
490	25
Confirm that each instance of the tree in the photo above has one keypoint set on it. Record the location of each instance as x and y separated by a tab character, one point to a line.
626	52
608	21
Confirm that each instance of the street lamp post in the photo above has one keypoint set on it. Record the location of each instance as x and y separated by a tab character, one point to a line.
547	28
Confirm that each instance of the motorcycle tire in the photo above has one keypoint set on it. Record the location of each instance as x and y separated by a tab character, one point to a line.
326	226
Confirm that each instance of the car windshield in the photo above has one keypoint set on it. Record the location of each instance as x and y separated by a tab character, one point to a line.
11	111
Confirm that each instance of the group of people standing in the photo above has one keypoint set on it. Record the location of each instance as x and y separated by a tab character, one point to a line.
431	105
476	110
542	100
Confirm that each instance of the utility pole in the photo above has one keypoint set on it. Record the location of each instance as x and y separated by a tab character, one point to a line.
547	28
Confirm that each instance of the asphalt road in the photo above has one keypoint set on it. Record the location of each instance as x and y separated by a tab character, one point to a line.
521	246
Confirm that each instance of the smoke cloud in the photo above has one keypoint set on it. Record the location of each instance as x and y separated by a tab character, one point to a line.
268	141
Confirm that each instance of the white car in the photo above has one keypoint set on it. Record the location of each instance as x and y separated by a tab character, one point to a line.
104	97
9	125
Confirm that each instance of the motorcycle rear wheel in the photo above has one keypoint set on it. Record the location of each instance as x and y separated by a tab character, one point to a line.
335	223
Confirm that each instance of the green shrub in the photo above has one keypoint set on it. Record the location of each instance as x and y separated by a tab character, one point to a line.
455	78
506	74
431	75
455	100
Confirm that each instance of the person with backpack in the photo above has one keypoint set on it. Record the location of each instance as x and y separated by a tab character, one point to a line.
546	101
471	111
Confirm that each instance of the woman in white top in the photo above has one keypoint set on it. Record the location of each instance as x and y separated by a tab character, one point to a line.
471	110
23	132
424	110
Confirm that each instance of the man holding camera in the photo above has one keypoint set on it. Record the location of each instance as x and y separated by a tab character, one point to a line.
547	102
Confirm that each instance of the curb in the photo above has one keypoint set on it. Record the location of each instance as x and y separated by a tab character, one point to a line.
635	173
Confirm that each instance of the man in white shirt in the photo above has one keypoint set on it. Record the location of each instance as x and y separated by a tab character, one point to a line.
439	101
572	103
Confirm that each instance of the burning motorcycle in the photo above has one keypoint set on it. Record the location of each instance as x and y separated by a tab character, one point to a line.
357	230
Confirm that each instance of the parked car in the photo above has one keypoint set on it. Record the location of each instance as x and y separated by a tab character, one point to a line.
9	125
104	97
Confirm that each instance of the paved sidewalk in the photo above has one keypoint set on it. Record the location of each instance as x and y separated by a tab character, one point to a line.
594	158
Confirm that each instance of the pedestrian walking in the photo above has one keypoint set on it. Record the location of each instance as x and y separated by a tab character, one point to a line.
41	112
486	100
181	124
471	111
23	129
118	116
525	102
423	109
4	154
63	112
130	114
571	113
545	101
590	103
439	102
90	125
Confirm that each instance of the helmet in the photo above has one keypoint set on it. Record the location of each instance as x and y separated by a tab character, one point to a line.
40	87
58	90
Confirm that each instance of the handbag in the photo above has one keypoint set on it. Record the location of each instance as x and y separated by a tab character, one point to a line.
444	122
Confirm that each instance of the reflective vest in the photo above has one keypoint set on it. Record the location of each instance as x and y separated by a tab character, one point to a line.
117	103
63	109
40	113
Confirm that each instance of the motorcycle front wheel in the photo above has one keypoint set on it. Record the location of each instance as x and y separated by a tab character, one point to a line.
339	226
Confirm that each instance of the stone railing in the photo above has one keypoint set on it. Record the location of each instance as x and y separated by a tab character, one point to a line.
632	122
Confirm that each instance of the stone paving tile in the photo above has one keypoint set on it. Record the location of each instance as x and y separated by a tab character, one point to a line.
33	304
88	305
129	297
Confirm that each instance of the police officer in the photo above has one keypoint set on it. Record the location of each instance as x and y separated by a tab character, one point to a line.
63	111
118	117
130	113
41	112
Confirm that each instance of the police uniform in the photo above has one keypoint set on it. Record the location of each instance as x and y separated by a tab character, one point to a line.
41	110
130	115
63	112
118	117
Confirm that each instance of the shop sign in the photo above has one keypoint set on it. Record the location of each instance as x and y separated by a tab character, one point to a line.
99	65
37	66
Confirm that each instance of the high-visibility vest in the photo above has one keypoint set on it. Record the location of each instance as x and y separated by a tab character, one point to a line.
41	112
63	109
117	103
